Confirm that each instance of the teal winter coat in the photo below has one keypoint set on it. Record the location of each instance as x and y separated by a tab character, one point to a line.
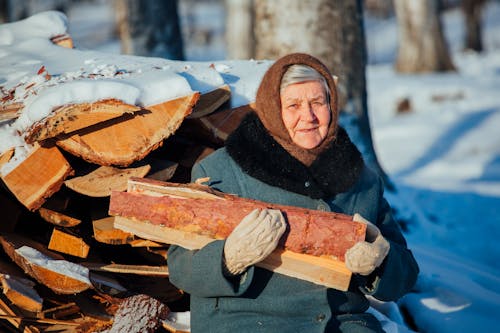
263	301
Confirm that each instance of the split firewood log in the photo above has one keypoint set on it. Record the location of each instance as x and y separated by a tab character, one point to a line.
58	218
211	101
38	176
193	215
69	118
20	292
103	180
105	232
48	268
64	242
123	141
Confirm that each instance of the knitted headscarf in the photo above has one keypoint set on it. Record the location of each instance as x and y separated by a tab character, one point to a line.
268	105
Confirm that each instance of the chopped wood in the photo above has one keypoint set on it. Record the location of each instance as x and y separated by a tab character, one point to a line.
72	117
12	316
6	156
103	180
211	101
161	169
9	111
124	141
65	243
63	40
105	232
324	271
41	320
48	268
190	208
223	123
145	243
38	176
58	218
20	292
129	269
193	215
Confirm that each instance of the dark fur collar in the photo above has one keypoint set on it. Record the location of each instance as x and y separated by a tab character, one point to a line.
260	156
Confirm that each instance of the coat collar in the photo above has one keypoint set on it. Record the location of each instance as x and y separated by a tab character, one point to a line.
334	171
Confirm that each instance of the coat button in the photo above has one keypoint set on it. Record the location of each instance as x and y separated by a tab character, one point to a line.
307	184
320	317
322	207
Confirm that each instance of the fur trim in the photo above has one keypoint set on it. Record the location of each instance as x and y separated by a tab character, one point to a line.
259	155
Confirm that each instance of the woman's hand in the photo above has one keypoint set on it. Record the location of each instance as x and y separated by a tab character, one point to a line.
253	239
365	256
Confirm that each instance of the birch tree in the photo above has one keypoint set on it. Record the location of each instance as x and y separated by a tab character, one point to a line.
332	31
473	31
149	28
422	46
239	29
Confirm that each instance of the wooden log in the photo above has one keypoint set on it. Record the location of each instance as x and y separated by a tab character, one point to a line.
63	40
103	180
211	101
123	141
105	232
20	292
192	215
38	176
12	315
200	209
72	117
69	244
129	269
58	218
48	268
320	270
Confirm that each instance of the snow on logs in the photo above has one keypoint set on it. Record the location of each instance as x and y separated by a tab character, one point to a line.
76	125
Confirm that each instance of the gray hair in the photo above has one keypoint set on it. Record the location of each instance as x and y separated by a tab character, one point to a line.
302	73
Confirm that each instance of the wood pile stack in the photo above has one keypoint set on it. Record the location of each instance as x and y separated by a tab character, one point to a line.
70	261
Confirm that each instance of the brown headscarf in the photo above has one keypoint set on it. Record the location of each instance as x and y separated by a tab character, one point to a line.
268	105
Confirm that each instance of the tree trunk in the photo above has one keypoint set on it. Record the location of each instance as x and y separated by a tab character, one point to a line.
422	47
150	28
239	29
472	14
333	32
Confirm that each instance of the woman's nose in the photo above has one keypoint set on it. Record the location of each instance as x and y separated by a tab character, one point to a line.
307	112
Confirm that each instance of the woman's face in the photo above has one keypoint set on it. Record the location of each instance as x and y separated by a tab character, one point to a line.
305	113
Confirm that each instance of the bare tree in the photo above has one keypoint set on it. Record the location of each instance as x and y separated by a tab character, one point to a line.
150	28
472	12
422	47
239	29
333	31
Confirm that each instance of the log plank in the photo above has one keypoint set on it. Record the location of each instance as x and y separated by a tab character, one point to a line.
63	242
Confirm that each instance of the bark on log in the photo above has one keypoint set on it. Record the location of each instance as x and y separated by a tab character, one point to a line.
309	232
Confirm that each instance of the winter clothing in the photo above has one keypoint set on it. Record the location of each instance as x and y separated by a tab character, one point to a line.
256	164
253	239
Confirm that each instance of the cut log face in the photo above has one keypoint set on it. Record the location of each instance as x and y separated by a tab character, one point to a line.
65	243
21	293
125	141
39	176
69	118
103	180
61	276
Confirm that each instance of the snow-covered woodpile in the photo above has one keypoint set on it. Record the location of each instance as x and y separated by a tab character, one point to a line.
75	127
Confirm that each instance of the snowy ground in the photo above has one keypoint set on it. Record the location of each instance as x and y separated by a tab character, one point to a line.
443	156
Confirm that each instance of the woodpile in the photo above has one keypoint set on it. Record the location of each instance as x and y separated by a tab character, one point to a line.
73	258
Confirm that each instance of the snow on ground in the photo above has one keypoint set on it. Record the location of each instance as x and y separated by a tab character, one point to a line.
443	156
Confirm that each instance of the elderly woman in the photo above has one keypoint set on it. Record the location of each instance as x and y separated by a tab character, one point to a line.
292	151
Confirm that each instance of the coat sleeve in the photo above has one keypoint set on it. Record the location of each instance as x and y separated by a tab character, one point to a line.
398	273
200	272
